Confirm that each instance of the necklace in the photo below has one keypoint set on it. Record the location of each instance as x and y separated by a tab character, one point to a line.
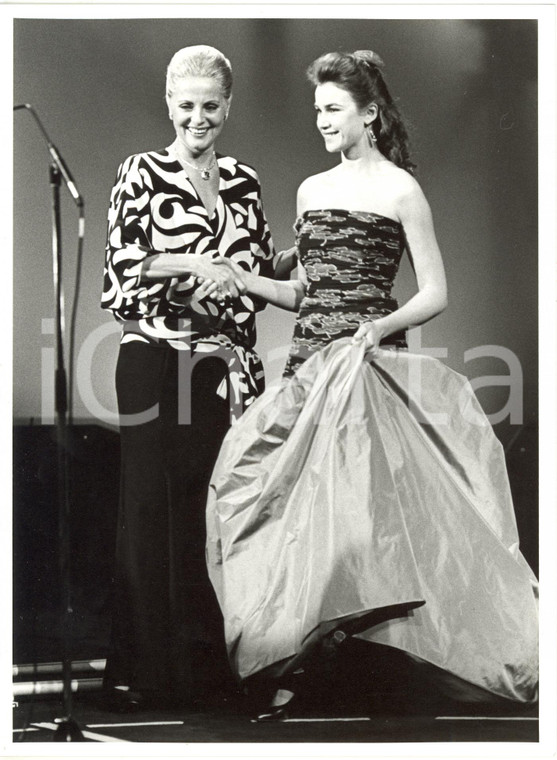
205	171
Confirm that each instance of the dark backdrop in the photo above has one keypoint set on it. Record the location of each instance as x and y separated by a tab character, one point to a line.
470	98
469	91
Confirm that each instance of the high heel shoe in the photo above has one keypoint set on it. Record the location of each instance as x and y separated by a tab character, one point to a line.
276	712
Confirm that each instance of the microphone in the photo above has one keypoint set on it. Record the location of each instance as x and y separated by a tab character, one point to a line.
55	155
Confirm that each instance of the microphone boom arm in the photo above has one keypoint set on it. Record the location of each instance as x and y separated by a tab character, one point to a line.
55	155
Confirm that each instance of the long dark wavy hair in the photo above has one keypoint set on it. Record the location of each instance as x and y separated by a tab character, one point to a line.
360	74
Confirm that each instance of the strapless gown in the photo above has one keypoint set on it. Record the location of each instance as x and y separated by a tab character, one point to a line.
369	496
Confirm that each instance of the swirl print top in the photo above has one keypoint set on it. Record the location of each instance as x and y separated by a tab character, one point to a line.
155	208
351	259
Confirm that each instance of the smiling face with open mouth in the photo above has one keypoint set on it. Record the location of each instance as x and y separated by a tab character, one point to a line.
198	110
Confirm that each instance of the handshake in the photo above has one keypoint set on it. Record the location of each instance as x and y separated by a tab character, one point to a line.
221	279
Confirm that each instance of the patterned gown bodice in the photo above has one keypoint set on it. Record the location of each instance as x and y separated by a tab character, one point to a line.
351	259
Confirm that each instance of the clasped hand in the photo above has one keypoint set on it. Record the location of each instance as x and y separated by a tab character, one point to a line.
220	279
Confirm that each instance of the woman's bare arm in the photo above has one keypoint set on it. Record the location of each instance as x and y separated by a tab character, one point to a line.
431	299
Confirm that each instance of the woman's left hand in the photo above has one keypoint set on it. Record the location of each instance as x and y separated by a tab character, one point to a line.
371	334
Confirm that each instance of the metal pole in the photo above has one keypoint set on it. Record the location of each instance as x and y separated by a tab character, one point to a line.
68	730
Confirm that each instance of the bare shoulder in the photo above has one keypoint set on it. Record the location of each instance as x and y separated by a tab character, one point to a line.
406	192
310	184
400	183
309	189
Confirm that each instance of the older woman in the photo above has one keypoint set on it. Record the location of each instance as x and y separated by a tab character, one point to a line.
186	366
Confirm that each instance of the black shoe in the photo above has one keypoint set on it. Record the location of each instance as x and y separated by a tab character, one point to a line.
276	712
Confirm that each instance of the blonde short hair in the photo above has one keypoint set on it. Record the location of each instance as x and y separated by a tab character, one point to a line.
200	61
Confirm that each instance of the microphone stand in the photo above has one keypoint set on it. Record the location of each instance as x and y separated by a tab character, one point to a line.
68	729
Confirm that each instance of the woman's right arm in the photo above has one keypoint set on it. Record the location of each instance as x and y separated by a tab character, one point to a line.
286	294
136	277
165	265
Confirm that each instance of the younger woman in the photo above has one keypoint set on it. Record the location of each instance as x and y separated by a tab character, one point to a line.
368	495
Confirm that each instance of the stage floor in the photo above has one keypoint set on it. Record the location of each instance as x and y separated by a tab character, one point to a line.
34	721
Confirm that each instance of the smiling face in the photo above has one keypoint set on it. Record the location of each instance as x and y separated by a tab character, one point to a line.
341	122
198	110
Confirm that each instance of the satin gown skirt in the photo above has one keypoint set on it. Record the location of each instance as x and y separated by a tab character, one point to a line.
372	488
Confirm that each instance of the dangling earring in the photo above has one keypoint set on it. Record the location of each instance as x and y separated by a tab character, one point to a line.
371	136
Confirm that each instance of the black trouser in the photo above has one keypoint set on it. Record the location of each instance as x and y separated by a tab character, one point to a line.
165	610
